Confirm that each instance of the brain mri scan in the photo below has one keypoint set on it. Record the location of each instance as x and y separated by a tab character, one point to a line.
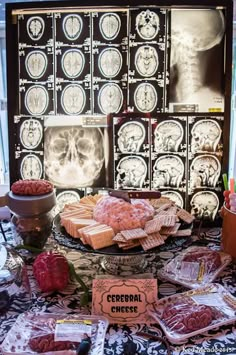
147	24
145	97
36	100
168	171
168	136
73	99
72	63
109	26
36	64
110	98
73	155
72	26
35	27
146	61
205	136
204	171
31	133
194	32
131	172
110	62
204	204
131	136
175	197
31	167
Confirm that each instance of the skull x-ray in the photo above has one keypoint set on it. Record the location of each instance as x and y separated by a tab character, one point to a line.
31	133
168	135
110	98
36	64
130	137
72	63
75	156
73	99
145	97
131	173
205	136
146	61
110	62
175	197
36	100
109	25
35	27
204	171
147	24
193	34
31	167
72	26
168	170
204	205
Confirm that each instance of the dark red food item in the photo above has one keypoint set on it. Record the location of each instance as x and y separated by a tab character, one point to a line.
44	343
210	258
186	318
31	187
51	271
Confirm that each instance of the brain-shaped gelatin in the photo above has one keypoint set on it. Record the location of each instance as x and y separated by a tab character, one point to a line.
31	187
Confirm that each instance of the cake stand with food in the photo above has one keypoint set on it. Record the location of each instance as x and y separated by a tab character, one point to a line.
122	226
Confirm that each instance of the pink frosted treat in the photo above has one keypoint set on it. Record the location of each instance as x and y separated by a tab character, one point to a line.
122	215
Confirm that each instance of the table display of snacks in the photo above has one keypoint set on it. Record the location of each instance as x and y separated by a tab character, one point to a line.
195	266
55	334
187	314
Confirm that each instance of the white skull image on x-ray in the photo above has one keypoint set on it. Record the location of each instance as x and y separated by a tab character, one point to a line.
168	171
145	97
31	167
204	204
110	62
72	26
131	136
110	98
31	133
36	64
168	136
204	171
36	100
205	136
109	25
147	24
131	172
194	32
72	63
175	197
73	155
146	61
35	27
73	99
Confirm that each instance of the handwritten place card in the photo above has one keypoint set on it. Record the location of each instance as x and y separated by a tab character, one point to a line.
125	301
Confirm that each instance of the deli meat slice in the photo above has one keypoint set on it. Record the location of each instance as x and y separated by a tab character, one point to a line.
211	258
122	215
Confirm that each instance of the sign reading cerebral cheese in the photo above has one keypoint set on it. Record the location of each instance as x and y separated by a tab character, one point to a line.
124	301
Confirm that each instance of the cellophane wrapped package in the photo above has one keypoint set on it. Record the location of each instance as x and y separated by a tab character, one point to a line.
193	312
195	267
57	334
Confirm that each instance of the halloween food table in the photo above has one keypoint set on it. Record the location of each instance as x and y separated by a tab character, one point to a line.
119	338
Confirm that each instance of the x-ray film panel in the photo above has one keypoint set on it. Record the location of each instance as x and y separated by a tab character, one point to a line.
169	171
148	25
205	135
131	172
146	97
35	30
72	64
73	99
176	196
29	133
168	135
110	27
197	43
131	135
205	204
30	166
36	64
72	29
75	156
36	99
109	98
205	172
110	63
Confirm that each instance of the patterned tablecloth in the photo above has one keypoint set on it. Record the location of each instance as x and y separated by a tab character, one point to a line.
219	341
